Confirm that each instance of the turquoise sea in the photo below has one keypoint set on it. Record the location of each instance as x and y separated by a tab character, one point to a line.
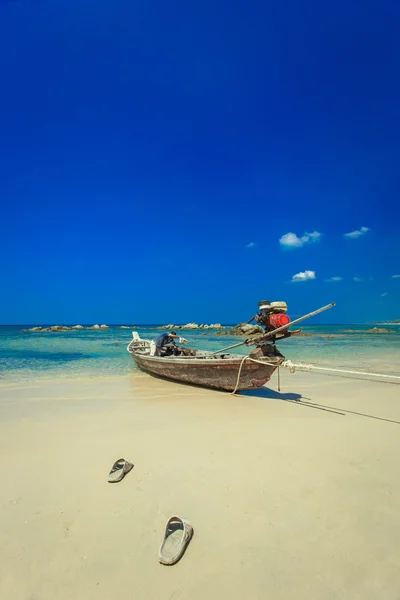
28	355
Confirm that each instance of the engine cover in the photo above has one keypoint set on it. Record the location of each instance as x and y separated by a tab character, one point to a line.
277	320
272	315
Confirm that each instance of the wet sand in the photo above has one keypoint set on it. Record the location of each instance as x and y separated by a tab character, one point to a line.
291	495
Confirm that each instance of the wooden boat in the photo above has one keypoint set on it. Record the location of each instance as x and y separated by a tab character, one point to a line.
218	371
222	370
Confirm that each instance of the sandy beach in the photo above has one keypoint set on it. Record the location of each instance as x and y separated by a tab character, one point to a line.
291	495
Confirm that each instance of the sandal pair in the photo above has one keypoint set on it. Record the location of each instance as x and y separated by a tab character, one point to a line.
178	531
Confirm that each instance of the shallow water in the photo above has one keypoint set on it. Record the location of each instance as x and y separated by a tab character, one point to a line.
30	355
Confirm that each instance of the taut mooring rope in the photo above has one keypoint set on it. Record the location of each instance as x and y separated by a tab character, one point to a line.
288	364
293	366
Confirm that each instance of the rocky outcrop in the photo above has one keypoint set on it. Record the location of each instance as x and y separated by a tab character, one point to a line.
373	330
245	329
55	328
192	325
187	326
52	328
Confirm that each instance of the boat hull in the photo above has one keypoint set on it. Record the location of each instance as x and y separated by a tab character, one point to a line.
219	374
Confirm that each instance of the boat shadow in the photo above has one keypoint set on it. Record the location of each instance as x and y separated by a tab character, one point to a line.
264	392
291	397
300	400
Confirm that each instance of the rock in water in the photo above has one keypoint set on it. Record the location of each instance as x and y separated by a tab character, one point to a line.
77	327
54	328
95	327
190	326
104	327
246	329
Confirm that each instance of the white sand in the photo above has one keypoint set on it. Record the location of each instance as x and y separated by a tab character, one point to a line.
288	501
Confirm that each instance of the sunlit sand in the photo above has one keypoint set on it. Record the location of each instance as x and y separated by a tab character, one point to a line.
291	494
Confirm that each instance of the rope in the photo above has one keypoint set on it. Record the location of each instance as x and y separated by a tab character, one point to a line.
238	377
262	362
288	364
292	366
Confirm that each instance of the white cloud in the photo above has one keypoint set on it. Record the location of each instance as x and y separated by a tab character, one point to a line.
395	276
304	276
357	279
384	294
290	240
357	233
332	279
251	245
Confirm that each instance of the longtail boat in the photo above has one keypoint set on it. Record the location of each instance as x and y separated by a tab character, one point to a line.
218	371
222	370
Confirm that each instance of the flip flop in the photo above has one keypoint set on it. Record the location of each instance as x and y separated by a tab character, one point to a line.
119	469
178	533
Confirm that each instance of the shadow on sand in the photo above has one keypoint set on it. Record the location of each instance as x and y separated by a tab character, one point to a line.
292	397
264	392
300	400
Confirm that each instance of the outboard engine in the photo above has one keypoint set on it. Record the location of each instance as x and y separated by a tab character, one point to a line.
272	315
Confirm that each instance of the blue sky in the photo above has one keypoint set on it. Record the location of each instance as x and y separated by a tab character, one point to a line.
155	156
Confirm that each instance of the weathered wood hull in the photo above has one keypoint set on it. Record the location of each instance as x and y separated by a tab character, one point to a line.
220	374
